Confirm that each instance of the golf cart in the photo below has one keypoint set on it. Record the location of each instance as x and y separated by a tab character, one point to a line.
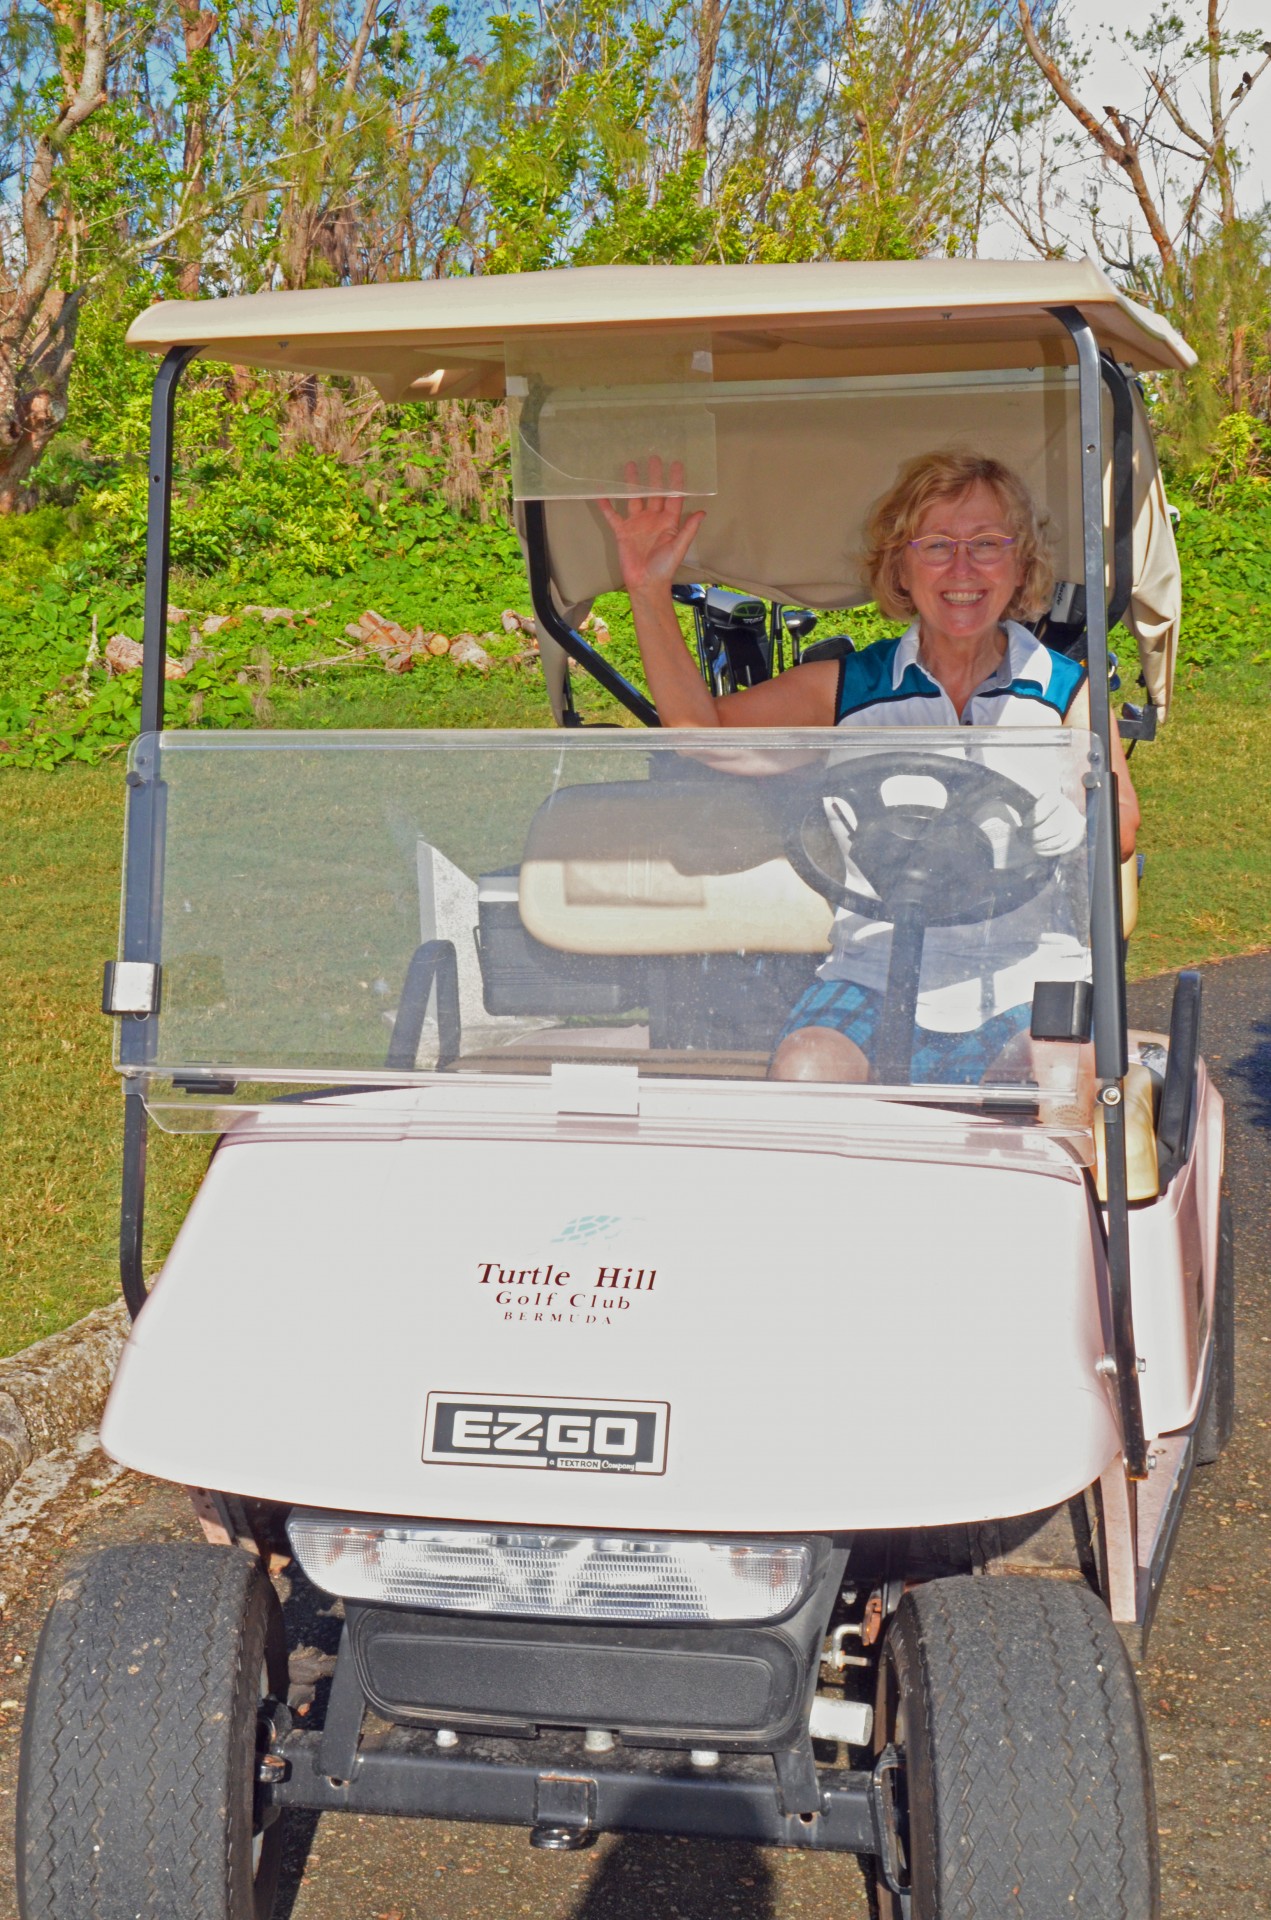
688	1452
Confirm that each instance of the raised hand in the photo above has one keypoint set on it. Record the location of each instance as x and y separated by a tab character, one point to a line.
652	535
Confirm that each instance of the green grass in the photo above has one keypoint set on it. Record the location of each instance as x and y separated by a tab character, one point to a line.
59	1097
1206	793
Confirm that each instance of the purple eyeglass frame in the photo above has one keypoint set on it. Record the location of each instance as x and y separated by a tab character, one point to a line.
1007	539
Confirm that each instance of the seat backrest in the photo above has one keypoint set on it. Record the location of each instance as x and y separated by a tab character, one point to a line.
655	868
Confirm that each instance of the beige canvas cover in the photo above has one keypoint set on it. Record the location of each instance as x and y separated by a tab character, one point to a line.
823	377
424	339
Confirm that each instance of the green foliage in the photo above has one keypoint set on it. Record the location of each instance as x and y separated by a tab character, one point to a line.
251	525
1226	555
674	227
1222	306
569	175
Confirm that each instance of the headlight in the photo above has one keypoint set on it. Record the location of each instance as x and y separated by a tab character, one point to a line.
562	1576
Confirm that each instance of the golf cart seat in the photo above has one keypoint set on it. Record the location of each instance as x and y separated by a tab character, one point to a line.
1142	1170
620	869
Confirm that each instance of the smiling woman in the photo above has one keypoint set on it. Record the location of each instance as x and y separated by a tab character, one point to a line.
957	546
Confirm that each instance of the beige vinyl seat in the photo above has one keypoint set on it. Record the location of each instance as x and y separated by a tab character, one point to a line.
620	870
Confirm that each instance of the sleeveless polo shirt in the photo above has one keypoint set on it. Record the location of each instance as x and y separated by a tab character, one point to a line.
883	686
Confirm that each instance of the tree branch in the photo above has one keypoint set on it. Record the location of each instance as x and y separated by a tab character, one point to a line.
1123	152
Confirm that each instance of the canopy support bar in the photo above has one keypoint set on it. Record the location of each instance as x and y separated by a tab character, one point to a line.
1106	939
158	531
566	637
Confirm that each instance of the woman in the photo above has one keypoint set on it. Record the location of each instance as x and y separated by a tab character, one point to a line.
957	548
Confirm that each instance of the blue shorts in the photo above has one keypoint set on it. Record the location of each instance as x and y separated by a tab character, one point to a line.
939	1059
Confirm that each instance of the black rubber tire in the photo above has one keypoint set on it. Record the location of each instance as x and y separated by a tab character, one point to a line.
138	1770
1218	1417
1026	1771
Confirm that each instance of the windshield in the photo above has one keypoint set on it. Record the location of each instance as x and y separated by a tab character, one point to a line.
876	909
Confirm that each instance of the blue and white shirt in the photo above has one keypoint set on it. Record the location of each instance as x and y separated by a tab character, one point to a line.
884	686
971	972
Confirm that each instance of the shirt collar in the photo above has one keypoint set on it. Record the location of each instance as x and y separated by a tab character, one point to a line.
1021	651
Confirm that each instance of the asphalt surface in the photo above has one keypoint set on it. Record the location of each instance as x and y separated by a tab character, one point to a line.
1206	1683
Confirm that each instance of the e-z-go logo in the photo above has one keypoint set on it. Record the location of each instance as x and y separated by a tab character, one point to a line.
502	1430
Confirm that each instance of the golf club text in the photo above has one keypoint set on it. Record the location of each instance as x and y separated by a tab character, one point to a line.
624	1279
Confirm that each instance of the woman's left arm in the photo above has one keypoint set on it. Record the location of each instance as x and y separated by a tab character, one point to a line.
1078	715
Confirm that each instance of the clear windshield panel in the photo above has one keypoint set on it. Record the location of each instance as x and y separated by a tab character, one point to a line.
877	909
582	411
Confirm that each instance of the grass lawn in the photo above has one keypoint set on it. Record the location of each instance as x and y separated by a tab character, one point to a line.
1206	792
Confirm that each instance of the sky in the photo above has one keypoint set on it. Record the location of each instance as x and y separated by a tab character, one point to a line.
1112	78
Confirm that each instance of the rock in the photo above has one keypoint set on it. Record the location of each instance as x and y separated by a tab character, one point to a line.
57	1388
268	614
466	651
124	655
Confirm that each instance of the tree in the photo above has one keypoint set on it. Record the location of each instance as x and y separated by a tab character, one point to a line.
1177	163
1181	243
65	52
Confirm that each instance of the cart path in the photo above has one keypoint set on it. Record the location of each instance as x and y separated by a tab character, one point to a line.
1207	1683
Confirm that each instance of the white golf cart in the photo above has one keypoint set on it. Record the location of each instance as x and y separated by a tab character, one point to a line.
691	1452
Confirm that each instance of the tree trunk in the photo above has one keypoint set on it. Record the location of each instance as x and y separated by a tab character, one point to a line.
1222	158
710	22
198	26
38	315
295	241
33	392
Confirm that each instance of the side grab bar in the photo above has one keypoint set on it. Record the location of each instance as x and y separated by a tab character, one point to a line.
1178	1095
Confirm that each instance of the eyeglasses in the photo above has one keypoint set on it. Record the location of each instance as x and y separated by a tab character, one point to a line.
986	550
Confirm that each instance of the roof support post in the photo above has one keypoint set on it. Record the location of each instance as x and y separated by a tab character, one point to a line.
158	529
143	864
1106	939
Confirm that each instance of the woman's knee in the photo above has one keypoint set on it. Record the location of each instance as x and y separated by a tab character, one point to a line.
818	1053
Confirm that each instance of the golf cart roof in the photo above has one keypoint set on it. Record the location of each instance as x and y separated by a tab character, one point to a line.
449	338
796	392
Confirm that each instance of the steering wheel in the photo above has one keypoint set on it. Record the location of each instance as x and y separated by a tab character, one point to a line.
942	841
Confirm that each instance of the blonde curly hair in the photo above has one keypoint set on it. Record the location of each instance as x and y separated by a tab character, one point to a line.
894	520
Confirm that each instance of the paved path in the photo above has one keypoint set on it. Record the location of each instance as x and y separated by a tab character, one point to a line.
1207	1684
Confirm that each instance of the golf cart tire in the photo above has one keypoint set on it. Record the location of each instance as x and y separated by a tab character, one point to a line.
1217	1421
139	1748
1027	1772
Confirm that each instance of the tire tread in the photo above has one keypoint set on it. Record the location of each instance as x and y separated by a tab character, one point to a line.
127	1760
1036	1753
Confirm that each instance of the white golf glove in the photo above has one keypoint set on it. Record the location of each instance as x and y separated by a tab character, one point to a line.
1057	825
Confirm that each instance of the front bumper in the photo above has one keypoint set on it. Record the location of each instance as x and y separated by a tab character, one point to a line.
628	1791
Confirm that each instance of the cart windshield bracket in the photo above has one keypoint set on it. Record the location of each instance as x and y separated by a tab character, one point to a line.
1106	940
